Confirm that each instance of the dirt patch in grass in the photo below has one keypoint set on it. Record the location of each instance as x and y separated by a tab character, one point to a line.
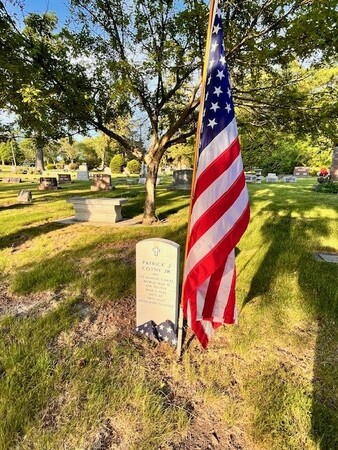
11	304
111	320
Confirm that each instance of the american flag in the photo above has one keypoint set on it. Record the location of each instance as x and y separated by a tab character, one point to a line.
219	212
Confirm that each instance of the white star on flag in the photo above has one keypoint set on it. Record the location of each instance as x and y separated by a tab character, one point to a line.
220	74
229	92
211	63
214	46
212	123
228	107
222	59
218	91
216	29
214	106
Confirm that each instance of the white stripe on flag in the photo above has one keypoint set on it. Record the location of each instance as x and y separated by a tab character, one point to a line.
217	146
224	289
221	185
211	237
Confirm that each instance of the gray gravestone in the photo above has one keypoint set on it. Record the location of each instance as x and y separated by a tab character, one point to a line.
64	178
157	280
24	196
102	182
183	179
82	173
48	183
301	171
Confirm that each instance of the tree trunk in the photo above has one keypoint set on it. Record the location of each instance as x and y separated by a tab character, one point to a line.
149	215
39	164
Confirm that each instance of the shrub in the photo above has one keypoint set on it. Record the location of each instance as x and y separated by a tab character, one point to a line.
133	166
330	188
116	164
50	166
73	166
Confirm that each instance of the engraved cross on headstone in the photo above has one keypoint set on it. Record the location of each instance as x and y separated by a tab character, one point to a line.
156	251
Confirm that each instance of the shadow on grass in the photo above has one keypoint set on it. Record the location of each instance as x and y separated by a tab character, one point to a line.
291	242
18	238
106	268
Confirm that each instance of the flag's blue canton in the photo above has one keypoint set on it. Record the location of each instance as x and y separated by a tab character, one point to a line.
218	109
148	329
165	331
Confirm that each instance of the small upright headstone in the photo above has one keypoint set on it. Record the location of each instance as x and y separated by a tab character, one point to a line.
258	173
82	173
64	178
11	180
301	171
24	196
183	179
157	280
102	182
48	183
289	179
250	178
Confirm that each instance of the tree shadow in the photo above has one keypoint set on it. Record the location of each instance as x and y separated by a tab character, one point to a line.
320	303
18	238
15	206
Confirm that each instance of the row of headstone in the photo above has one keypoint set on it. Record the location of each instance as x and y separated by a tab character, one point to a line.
271	178
11	180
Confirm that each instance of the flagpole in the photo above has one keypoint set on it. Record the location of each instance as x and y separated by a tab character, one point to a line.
197	141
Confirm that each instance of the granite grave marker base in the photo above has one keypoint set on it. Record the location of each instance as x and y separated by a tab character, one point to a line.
99	210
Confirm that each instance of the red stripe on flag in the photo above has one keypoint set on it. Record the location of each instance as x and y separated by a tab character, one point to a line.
216	211
211	295
209	264
229	311
216	168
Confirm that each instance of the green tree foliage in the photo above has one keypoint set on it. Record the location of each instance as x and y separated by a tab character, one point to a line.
69	150
133	166
144	58
181	154
28	149
5	152
116	163
87	153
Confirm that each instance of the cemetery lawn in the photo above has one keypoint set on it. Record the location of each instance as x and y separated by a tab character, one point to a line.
73	375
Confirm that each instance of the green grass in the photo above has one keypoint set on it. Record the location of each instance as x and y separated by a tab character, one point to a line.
75	376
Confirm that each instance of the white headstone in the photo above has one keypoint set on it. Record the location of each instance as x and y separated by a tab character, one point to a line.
157	280
82	173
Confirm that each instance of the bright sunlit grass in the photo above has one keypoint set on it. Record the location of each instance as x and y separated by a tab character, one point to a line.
66	382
